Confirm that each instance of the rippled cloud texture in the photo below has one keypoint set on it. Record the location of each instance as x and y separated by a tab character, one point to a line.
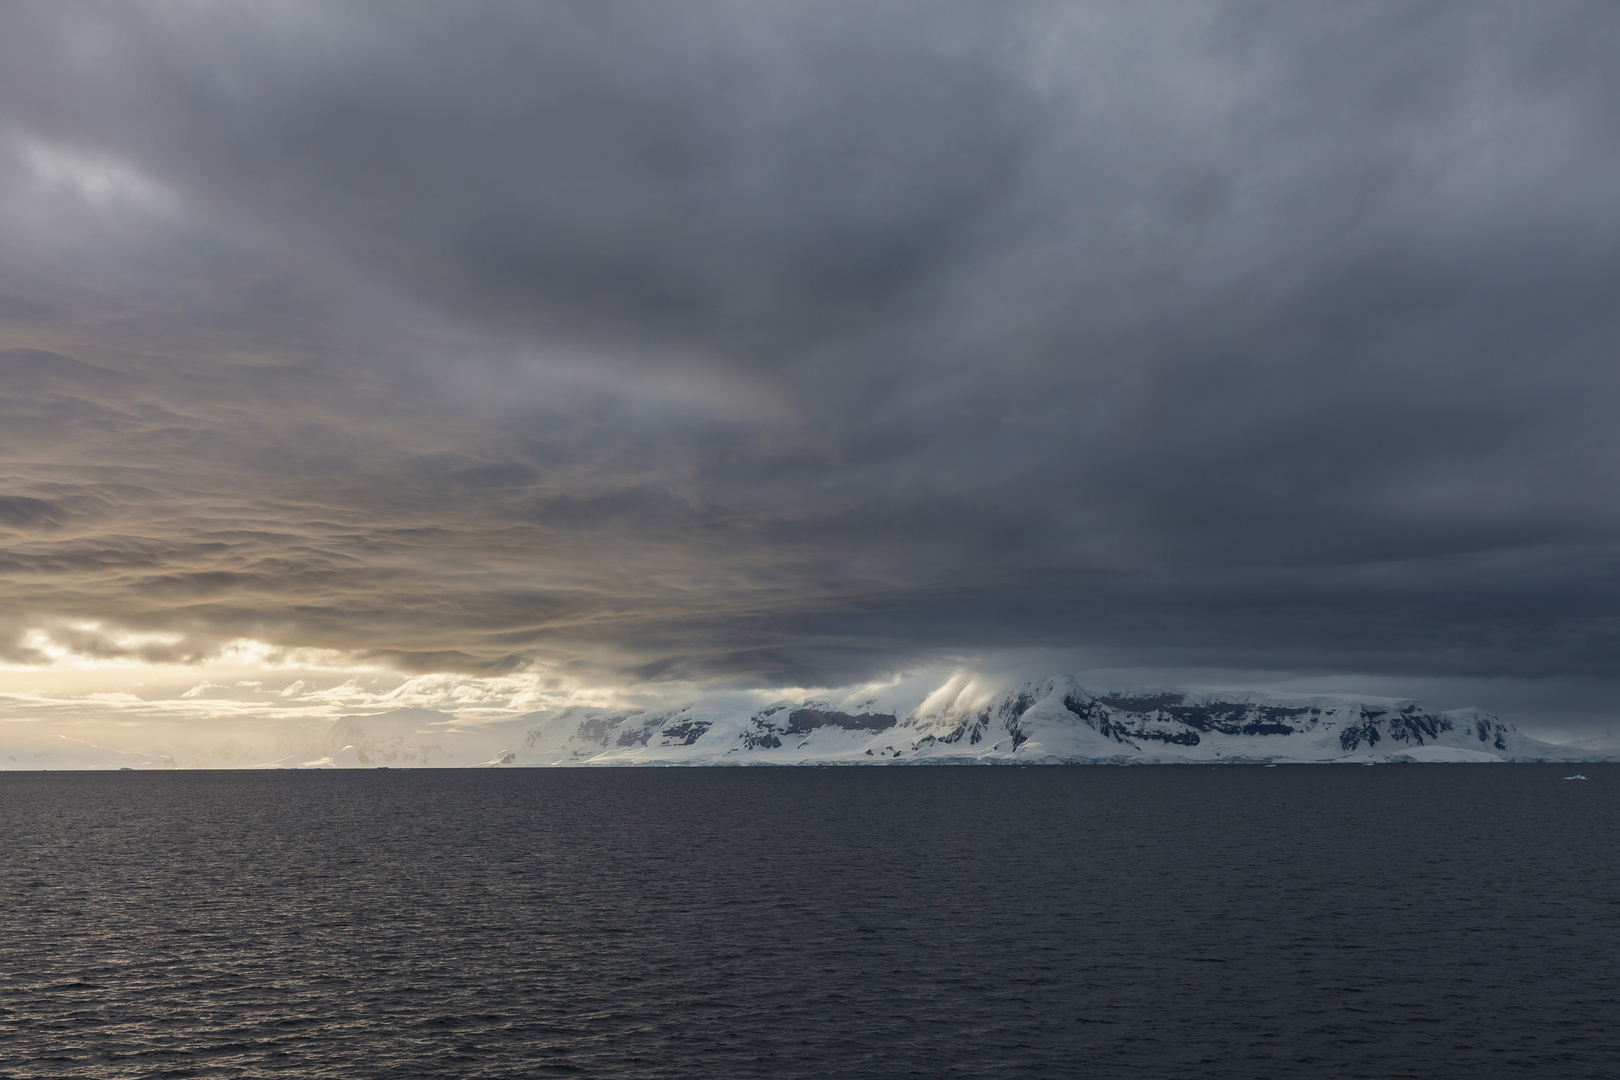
796	344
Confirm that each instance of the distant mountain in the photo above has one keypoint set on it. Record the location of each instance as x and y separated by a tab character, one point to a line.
1056	721
402	738
61	752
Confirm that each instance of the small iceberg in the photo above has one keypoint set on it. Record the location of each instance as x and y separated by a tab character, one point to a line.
1577	776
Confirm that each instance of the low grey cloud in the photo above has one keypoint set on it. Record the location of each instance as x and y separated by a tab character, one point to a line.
790	344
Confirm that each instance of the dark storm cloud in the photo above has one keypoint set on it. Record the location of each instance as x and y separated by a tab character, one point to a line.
789	342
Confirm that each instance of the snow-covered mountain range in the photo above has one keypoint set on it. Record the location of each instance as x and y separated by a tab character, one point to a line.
1055	721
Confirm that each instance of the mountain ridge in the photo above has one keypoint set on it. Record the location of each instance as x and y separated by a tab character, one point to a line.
1051	721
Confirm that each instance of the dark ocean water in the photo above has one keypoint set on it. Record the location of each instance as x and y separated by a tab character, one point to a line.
1323	921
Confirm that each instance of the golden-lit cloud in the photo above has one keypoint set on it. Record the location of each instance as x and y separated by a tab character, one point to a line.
522	352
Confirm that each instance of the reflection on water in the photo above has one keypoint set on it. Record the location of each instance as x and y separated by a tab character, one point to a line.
1422	921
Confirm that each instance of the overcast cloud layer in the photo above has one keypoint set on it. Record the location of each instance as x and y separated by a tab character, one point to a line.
771	344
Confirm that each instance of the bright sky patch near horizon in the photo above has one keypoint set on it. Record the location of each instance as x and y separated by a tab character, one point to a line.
503	355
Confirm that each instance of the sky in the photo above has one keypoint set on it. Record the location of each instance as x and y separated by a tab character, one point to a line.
480	357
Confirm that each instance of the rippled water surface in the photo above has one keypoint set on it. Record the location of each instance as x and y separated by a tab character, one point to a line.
1332	921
